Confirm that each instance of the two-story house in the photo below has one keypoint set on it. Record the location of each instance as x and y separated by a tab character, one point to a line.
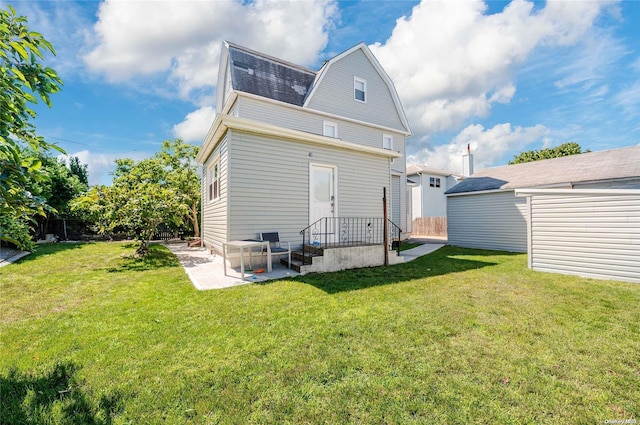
290	146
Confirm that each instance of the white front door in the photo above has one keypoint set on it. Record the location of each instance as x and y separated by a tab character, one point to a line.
322	194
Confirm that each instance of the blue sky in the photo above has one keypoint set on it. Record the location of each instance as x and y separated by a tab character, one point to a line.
501	76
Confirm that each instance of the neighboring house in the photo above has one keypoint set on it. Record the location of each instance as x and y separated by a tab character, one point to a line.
428	202
290	146
588	212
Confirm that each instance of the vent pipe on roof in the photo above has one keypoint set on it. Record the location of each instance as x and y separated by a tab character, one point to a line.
467	162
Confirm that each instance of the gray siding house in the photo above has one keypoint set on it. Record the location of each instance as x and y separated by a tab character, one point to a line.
564	212
290	146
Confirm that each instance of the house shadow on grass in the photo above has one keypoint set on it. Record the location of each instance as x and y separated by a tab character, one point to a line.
53	397
444	261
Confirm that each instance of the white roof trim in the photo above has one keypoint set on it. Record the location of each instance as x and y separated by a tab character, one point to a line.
224	122
224	62
367	52
612	192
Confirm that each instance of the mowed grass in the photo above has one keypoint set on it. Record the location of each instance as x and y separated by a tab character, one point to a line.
89	335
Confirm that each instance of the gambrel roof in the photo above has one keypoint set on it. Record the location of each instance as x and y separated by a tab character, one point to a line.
614	164
259	74
374	62
256	73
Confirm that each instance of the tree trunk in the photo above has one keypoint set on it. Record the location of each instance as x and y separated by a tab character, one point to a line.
194	220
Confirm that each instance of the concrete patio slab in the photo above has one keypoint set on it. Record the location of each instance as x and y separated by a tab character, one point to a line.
206	271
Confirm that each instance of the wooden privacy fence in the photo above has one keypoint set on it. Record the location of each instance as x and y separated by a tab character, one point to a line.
430	226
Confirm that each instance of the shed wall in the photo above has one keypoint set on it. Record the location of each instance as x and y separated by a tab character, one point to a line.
586	234
488	221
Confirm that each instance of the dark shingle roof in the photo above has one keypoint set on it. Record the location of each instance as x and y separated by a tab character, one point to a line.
593	166
266	76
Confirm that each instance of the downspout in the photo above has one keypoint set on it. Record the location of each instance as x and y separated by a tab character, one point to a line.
529	234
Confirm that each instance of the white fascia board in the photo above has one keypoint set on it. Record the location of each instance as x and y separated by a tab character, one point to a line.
230	102
210	141
224	62
367	52
322	113
224	122
530	192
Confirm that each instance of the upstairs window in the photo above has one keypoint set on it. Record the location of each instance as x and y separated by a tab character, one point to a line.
434	181
360	89
214	181
387	141
330	129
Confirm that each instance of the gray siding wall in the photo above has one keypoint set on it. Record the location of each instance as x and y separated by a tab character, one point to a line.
214	213
592	235
335	93
269	184
311	122
488	221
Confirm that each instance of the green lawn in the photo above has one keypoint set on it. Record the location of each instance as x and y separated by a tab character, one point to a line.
88	335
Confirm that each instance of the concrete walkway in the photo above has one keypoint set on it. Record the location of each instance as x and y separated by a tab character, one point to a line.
427	247
206	271
8	255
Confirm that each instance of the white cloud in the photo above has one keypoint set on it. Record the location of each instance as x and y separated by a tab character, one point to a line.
451	61
183	38
195	125
486	146
100	166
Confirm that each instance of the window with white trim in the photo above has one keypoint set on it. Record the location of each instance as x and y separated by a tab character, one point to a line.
434	181
359	89
330	129
387	141
213	181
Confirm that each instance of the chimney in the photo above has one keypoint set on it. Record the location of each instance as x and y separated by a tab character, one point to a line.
467	162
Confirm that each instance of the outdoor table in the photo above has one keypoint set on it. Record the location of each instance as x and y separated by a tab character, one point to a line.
250	244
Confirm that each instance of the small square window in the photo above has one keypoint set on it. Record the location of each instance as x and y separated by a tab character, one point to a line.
360	89
387	141
330	129
434	181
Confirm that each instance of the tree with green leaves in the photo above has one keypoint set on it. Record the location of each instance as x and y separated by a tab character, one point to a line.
23	79
79	170
140	198
179	159
57	187
163	189
565	149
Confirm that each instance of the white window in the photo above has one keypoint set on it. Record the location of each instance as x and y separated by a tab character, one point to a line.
434	181
359	89
330	129
213	181
387	141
